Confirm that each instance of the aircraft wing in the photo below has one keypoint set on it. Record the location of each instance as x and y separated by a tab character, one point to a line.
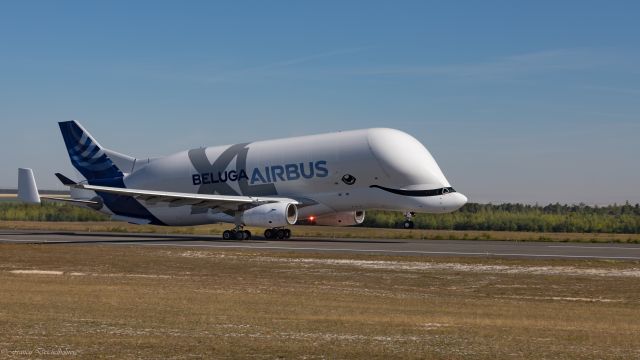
186	199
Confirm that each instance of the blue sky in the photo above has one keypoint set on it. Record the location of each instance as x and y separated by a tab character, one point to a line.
533	101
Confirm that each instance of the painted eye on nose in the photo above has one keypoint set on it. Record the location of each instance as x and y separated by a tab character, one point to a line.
349	179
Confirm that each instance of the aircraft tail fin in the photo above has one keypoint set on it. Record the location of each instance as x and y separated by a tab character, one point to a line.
89	157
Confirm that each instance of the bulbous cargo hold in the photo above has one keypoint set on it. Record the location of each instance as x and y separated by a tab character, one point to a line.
404	160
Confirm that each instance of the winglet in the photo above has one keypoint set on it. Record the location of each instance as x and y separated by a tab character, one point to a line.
65	180
27	189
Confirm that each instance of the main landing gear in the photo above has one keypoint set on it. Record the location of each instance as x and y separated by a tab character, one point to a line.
239	234
408	223
236	234
276	233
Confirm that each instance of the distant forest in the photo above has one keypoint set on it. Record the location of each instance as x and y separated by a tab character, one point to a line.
487	217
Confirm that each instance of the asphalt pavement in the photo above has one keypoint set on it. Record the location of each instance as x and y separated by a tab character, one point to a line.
396	247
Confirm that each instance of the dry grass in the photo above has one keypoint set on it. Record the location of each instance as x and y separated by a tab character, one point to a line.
328	232
136	302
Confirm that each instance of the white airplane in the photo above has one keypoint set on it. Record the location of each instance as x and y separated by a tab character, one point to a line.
328	179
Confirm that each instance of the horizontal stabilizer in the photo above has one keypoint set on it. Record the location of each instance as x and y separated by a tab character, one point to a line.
27	189
28	192
89	203
65	180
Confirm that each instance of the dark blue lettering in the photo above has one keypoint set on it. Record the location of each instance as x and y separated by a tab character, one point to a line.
292	171
307	176
321	169
257	176
206	178
287	172
266	172
277	171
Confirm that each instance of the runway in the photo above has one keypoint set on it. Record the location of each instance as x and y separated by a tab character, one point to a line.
396	247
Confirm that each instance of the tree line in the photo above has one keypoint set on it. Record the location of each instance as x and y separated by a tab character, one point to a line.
485	217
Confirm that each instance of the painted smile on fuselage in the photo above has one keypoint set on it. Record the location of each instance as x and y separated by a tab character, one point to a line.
419	193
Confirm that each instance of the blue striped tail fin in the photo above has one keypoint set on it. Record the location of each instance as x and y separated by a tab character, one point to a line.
86	154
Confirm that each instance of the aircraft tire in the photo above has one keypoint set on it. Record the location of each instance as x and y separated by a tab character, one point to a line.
226	235
408	224
268	234
280	234
247	234
287	233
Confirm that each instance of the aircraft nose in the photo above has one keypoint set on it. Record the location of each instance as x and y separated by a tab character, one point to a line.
457	200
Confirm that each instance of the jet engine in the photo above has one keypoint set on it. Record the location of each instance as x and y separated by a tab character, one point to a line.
345	218
271	215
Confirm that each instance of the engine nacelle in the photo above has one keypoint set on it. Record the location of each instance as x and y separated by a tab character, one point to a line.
345	218
271	215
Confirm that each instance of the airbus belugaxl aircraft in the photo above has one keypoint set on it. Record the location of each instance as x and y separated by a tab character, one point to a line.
328	179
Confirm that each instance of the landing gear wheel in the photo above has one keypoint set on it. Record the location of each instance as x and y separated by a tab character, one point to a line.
239	235
408	224
280	234
247	234
268	234
227	235
287	233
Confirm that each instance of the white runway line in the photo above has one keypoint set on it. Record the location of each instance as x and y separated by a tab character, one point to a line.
593	247
21	240
37	272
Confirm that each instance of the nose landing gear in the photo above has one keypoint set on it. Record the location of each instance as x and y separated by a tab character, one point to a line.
408	223
276	233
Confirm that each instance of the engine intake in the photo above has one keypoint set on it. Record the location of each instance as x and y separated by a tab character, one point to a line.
271	215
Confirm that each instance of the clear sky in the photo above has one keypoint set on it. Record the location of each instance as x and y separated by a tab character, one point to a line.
528	101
